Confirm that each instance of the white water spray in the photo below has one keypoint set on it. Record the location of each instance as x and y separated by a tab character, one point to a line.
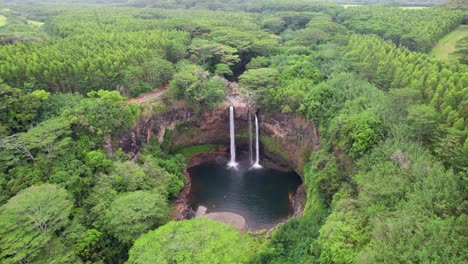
249	117
233	162
257	146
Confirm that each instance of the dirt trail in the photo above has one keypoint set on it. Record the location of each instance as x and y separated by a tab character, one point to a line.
149	96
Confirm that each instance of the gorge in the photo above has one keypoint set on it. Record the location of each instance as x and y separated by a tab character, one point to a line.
345	128
229	178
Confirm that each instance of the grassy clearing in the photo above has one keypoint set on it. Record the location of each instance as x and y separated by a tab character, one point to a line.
413	7
35	23
3	20
351	5
446	45
193	150
403	7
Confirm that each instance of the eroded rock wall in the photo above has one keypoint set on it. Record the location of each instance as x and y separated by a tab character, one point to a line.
286	139
289	139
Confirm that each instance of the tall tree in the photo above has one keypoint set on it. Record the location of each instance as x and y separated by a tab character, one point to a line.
134	213
199	240
18	110
31	220
104	113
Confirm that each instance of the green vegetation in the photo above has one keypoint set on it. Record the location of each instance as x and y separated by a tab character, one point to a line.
401	3
445	47
191	151
135	213
430	83
196	86
30	222
35	23
47	66
461	50
416	29
413	7
387	185
273	147
3	20
193	241
16	27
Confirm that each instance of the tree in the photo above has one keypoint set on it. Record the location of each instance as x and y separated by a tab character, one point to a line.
256	79
461	50
199	240
361	132
17	109
157	72
342	235
330	176
104	113
49	137
128	177
194	85
133	79
275	24
417	30
134	213
148	76
412	204
289	96
184	78
301	68
57	103
13	150
205	50
423	122
258	62
98	160
222	69
318	102
207	92
31	220
87	245
168	169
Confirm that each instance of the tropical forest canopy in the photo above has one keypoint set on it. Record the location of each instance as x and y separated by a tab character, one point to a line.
387	186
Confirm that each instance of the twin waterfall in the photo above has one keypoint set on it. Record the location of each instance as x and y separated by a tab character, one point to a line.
257	146
249	119
232	162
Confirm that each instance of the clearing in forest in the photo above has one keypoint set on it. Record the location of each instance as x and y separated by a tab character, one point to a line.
351	5
35	23
446	45
402	7
3	20
413	7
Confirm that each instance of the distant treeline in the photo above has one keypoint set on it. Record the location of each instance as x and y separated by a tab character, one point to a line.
417	30
392	2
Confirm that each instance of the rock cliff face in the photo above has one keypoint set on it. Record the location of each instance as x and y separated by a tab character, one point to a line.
286	139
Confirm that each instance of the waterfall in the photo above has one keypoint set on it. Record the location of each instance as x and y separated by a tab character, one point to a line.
257	145
249	118
233	162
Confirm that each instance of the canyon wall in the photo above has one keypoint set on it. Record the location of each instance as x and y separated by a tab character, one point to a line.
286	139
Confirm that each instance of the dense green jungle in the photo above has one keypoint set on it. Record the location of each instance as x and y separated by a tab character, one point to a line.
386	183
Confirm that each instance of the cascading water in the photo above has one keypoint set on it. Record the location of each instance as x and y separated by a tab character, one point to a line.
249	118
257	146
233	162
